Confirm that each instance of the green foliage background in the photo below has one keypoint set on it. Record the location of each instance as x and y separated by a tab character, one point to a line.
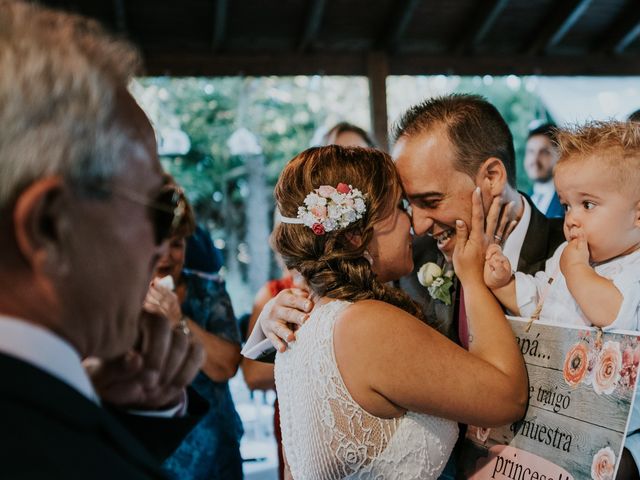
284	113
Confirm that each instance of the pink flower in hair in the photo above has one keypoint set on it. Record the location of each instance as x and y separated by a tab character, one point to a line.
318	229
343	188
326	191
319	211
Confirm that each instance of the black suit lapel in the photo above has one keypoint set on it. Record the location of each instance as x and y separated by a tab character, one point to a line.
542	238
31	386
446	314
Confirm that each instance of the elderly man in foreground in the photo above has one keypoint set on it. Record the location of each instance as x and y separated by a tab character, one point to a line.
85	214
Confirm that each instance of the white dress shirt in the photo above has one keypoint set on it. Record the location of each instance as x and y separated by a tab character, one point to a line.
513	246
543	194
46	351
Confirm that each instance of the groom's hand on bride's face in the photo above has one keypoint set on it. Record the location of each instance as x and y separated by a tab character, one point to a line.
283	314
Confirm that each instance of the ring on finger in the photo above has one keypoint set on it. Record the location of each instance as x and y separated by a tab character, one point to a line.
183	327
497	238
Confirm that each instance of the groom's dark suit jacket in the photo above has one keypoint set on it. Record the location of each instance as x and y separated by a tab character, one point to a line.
49	430
542	238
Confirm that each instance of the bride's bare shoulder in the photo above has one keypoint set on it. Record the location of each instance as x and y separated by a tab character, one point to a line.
373	318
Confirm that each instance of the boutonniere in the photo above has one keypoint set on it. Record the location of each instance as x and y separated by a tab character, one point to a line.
437	280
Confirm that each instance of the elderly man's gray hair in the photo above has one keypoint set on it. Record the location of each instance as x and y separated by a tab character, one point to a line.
60	74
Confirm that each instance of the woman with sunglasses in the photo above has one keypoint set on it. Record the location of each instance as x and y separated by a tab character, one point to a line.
198	304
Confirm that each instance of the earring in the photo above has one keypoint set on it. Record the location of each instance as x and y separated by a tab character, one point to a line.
367	256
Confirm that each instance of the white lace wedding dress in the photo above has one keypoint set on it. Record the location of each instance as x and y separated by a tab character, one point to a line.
327	435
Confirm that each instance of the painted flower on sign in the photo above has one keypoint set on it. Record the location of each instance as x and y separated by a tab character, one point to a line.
575	364
606	373
603	465
630	363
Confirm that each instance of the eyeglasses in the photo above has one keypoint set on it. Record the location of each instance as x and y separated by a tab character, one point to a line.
167	208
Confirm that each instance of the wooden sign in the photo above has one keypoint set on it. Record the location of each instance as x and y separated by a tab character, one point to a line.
581	390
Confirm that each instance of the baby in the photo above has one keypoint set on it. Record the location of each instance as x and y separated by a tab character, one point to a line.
594	277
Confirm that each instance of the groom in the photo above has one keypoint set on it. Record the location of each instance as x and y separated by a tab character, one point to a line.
444	148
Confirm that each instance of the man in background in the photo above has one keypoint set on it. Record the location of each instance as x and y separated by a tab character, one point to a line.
540	157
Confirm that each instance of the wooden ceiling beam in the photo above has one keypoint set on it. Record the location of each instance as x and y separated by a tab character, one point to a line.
312	25
377	72
482	20
120	16
622	32
555	26
219	25
625	41
400	19
180	63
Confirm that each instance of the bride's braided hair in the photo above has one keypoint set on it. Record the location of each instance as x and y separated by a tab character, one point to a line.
332	265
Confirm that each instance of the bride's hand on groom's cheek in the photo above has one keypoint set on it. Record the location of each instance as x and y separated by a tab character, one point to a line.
283	314
472	241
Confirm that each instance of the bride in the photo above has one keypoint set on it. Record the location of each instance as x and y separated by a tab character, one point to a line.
368	390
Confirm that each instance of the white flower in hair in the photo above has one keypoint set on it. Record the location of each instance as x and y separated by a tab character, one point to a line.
314	199
330	208
349	216
337	197
334	211
329	225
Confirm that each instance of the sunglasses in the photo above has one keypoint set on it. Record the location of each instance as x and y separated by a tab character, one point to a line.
167	209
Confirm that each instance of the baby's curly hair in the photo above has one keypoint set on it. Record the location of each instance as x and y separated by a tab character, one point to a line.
332	265
616	145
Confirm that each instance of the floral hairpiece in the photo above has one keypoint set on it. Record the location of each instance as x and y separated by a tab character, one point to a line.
328	208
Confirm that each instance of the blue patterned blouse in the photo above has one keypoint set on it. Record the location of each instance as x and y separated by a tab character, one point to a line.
212	450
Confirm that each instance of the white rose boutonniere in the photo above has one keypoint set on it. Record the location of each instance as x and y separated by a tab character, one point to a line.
437	281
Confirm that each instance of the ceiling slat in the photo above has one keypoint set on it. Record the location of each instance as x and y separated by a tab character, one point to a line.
622	32
482	21
555	26
185	64
219	25
312	26
120	16
397	26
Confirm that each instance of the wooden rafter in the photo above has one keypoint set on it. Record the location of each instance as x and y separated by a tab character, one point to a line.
624	30
555	26
270	49
219	25
187	64
625	41
120	15
312	25
482	21
400	20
